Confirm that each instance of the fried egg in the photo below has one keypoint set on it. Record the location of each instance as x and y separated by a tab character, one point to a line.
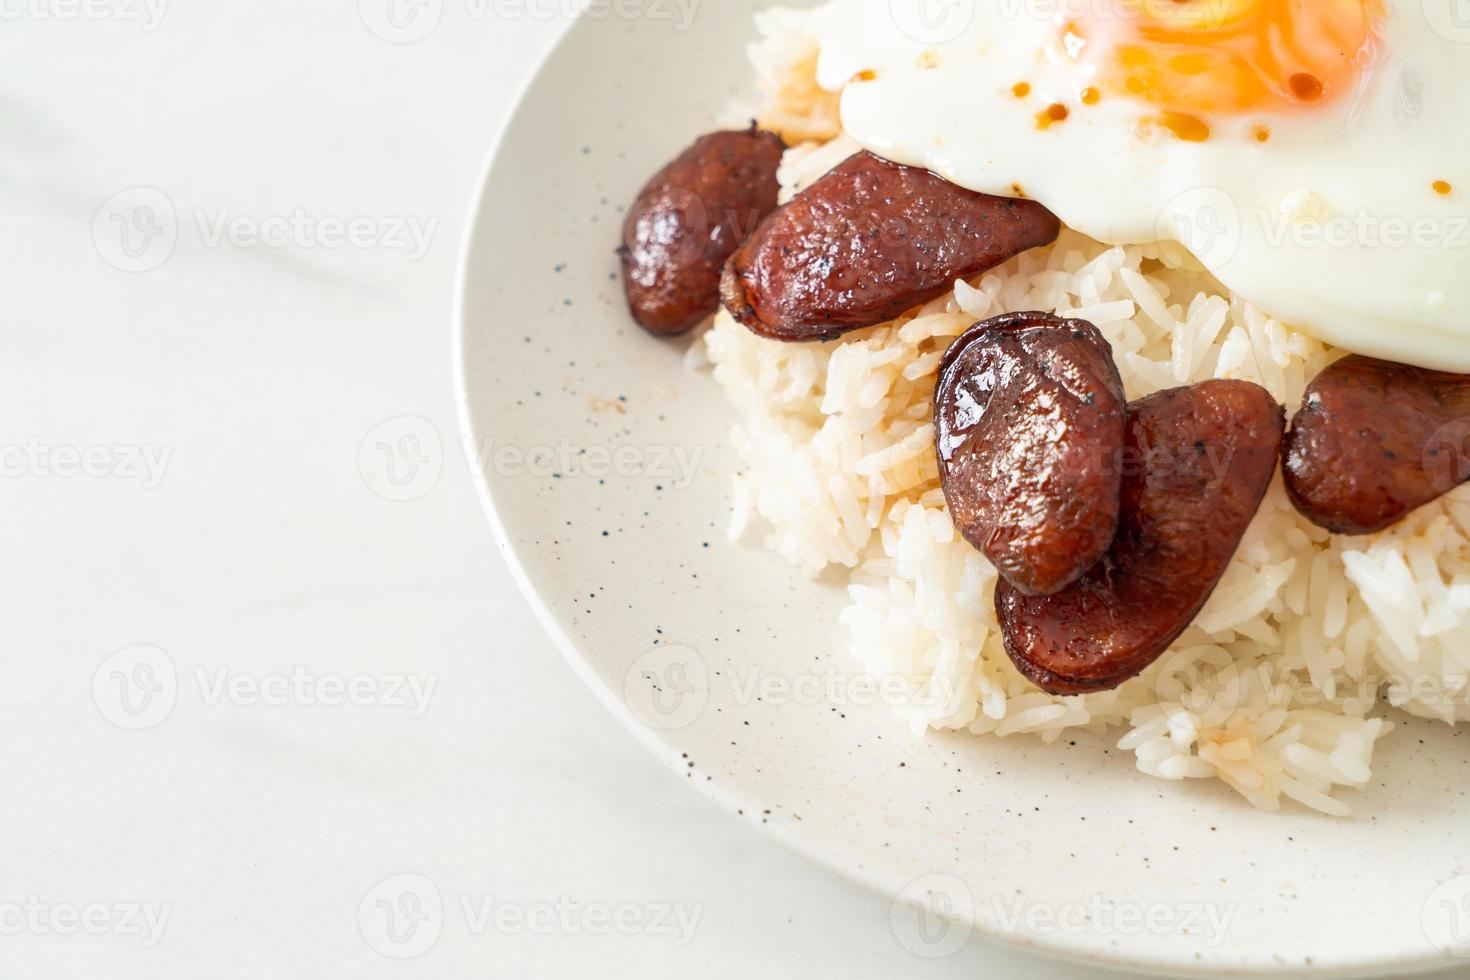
1312	154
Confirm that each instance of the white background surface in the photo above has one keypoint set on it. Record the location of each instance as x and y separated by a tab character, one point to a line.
254	375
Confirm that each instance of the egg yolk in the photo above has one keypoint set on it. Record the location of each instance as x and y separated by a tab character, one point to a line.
1229	56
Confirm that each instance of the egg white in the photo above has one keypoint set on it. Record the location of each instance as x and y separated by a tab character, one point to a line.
1333	225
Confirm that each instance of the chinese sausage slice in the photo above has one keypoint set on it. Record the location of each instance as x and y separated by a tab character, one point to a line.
1197	462
868	241
687	220
1374	440
1029	422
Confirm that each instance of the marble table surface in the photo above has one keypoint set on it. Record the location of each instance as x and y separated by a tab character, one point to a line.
271	701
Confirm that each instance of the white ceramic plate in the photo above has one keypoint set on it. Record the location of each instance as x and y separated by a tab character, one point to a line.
720	656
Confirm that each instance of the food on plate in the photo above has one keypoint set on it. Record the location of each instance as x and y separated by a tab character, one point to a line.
1231	243
1375	440
1029	425
868	241
688	219
1197	463
1303	151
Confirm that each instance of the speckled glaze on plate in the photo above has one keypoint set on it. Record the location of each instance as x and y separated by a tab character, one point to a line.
605	468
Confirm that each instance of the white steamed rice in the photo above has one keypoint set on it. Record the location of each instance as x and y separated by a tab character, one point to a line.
1277	686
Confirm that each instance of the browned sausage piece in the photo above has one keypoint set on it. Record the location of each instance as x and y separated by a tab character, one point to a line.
868	241
1028	415
1373	441
687	221
1197	462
